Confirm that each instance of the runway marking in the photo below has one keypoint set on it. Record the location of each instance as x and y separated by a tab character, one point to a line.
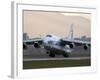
44	59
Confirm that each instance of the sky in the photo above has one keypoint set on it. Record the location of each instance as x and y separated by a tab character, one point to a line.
39	23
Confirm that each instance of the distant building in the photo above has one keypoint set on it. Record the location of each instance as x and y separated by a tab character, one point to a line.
25	36
83	38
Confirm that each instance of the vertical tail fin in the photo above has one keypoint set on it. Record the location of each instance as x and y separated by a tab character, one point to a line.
71	34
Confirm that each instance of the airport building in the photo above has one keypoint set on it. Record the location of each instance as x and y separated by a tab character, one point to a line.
25	36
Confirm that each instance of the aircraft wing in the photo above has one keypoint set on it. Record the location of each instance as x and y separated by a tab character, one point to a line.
76	42
32	41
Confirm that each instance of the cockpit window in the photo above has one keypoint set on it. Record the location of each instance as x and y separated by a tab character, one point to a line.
49	36
50	42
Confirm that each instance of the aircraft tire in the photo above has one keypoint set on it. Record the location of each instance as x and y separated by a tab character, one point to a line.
52	55
65	55
47	52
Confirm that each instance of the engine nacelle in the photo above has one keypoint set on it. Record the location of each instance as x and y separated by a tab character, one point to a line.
24	46
72	45
36	45
86	47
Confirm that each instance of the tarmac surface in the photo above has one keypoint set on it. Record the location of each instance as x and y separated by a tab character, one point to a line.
32	53
37	58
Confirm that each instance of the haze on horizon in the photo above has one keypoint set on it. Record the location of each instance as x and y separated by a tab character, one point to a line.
36	23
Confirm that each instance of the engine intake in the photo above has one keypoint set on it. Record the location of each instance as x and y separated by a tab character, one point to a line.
36	45
86	47
72	45
24	46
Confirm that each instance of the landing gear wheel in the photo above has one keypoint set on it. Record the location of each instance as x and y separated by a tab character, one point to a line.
47	52
65	55
52	55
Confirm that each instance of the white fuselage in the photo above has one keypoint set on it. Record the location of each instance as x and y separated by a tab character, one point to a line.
53	42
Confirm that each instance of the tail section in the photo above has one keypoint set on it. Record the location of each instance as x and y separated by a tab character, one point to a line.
71	33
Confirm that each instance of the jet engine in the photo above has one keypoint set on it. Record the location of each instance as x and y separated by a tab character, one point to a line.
24	46
86	47
36	45
72	45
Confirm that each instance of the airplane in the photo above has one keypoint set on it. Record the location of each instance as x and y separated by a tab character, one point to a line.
57	46
36	42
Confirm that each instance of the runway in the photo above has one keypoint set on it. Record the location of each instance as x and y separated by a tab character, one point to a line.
40	53
35	58
46	59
